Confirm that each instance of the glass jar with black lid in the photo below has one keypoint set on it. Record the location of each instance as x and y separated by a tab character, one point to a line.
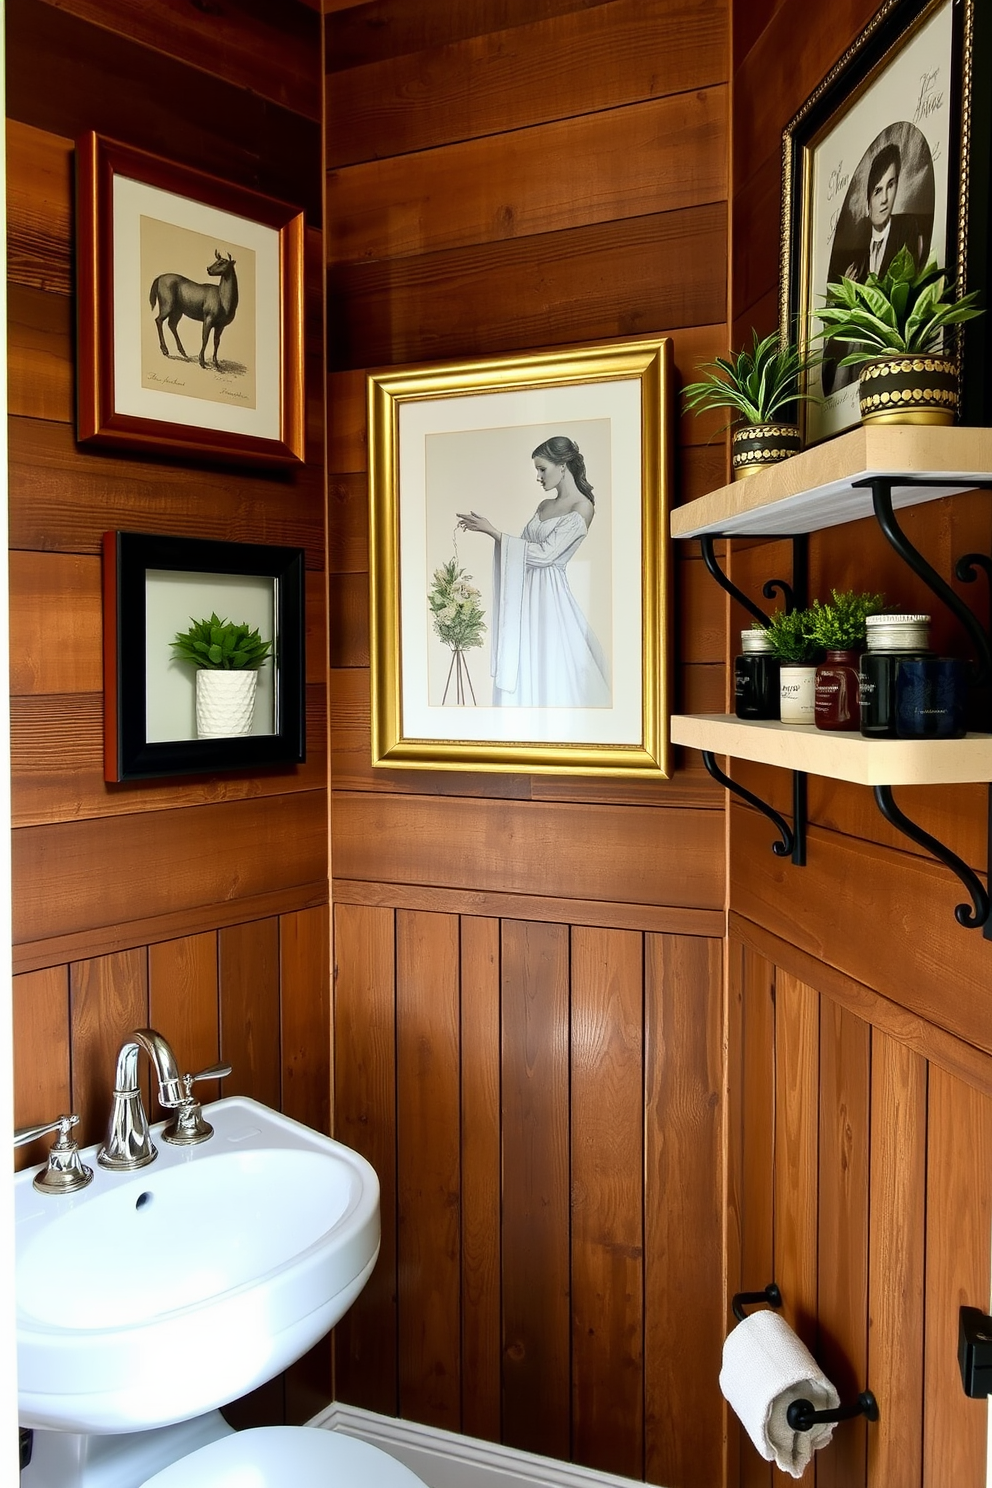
891	640
756	679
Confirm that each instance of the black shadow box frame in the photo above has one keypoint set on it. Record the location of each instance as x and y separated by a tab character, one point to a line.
128	557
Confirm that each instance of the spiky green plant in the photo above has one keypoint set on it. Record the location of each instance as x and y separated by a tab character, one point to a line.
757	384
790	637
221	645
902	313
840	626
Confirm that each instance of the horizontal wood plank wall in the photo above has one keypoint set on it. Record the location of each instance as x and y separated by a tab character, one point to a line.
534	174
883	1230
198	905
878	1227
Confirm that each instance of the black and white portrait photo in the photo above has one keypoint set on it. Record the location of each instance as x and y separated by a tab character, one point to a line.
873	173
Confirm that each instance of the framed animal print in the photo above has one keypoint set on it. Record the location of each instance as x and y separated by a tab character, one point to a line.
190	310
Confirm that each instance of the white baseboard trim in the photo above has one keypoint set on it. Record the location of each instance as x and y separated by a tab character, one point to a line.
443	1459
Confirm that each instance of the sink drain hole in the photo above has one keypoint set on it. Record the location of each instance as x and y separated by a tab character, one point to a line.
142	1200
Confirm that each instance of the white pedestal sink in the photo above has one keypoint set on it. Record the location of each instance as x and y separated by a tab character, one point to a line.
153	1297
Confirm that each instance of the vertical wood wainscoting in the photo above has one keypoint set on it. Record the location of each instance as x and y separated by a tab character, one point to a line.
529	1007
196	904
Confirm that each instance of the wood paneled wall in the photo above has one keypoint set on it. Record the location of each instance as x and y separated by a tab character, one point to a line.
197	904
865	1019
529	1004
862	1149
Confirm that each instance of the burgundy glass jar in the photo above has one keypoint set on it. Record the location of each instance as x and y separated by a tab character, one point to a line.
838	697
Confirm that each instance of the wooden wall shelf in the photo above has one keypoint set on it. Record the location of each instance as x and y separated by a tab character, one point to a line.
816	489
839	756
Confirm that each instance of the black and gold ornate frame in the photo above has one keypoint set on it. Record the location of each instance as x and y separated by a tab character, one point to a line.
879	63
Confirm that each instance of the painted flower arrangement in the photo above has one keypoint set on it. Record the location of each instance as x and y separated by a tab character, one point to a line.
456	614
459	621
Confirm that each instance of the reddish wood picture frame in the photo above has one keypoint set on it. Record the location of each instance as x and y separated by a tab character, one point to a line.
115	410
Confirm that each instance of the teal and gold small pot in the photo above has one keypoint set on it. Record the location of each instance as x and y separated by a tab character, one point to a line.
909	390
756	446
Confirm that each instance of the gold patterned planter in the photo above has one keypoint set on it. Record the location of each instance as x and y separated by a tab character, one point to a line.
756	446
909	390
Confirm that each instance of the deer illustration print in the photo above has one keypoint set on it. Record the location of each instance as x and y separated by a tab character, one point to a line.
214	304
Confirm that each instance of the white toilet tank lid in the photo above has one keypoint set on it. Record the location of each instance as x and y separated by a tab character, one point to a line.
279	1456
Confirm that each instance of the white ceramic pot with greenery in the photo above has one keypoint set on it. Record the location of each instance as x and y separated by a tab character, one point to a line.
227	657
759	387
796	651
894	326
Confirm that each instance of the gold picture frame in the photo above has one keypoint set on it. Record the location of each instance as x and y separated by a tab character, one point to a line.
168	259
577	655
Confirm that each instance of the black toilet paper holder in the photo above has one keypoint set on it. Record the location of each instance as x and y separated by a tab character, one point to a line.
800	1415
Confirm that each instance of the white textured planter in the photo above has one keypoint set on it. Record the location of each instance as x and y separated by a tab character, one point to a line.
797	693
225	703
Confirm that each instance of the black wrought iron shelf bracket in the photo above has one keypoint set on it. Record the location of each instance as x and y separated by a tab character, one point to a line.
792	843
796	594
966	570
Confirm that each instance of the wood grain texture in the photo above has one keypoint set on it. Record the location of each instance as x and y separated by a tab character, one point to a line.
428	1161
683	1088
756	1146
78	876
365	1341
41	1088
535	1212
305	1017
183	1005
898	911
797	1060
64	499
57	765
108	999
896	1265
531	907
604	56
56	636
506	847
607	1187
39	208
39	355
481	1334
105	79
844	1099
658	156
599	280
248	962
959	1220
274	53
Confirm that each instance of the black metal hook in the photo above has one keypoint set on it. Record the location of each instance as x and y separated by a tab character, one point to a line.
802	1417
794	594
971	918
771	1295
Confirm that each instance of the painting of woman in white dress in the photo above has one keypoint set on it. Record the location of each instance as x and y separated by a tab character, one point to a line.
544	652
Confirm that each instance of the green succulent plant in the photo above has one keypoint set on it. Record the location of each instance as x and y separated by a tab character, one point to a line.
840	626
221	645
902	313
757	384
790	638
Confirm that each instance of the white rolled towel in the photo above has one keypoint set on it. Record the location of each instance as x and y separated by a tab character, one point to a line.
765	1367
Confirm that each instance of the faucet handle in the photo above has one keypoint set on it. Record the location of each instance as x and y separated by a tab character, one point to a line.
65	1172
187	1126
213	1072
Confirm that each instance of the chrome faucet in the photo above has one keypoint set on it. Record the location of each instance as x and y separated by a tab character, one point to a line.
129	1144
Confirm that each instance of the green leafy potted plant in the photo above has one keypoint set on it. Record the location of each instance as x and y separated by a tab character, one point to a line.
758	385
894	325
839	629
796	650
227	657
